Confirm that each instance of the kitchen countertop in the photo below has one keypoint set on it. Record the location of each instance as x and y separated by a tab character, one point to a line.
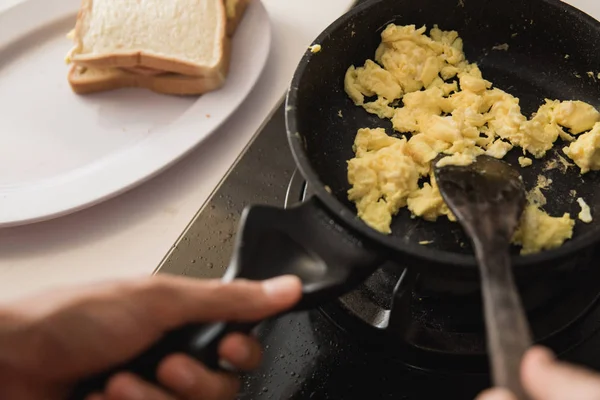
129	235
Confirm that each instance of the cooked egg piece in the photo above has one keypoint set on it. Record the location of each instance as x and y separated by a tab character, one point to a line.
371	80
585	151
423	149
315	48
505	117
458	159
427	203
585	215
541	131
539	231
380	107
382	176
525	162
577	116
498	149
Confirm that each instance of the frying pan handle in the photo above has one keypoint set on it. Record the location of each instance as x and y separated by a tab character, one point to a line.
307	241
304	241
200	341
508	333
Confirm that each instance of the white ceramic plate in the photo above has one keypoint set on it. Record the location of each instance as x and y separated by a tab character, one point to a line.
60	152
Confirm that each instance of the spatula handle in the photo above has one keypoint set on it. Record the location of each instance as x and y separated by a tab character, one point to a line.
508	333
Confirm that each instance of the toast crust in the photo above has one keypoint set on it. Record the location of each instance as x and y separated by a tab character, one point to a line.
153	62
240	10
148	60
144	71
225	64
171	84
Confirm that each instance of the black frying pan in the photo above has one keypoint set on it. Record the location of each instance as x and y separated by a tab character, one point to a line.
556	45
322	240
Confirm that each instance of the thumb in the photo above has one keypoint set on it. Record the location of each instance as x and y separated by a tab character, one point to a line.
548	379
174	301
496	394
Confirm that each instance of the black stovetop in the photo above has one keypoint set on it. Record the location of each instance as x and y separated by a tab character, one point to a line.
307	356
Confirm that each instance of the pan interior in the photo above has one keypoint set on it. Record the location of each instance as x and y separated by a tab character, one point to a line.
551	50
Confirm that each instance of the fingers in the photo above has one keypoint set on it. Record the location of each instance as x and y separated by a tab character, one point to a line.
242	352
545	378
172	301
548	379
190	380
496	394
183	377
95	396
126	386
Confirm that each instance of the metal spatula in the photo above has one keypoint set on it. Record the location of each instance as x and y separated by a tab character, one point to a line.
488	198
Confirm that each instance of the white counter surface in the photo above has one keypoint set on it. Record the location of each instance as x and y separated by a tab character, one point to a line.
129	235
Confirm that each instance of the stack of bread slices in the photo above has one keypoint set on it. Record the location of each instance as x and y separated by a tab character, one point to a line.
179	47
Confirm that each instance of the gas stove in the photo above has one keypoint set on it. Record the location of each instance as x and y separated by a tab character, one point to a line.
385	339
397	336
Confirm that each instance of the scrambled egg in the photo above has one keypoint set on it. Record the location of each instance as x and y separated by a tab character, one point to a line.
585	151
539	231
577	116
525	162
315	48
382	177
585	215
443	104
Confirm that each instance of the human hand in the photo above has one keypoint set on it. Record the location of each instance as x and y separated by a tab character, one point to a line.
50	342
545	378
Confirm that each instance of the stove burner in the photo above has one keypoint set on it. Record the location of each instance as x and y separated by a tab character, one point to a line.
405	317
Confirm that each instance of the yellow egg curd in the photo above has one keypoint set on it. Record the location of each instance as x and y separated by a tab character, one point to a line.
440	103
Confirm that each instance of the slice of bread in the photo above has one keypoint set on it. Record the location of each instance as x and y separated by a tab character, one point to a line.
236	10
85	80
180	36
144	71
235	13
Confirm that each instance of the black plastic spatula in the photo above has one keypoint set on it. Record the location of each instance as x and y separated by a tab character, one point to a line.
488	198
